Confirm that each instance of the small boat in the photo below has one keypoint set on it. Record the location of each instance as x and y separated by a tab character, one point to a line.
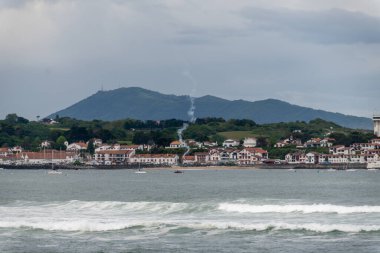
292	170
140	172
351	170
373	165
54	172
372	169
178	171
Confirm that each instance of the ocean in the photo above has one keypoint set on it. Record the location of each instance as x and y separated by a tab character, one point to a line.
197	211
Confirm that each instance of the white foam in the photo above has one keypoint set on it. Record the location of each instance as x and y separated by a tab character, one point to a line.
100	226
74	225
313	227
314	208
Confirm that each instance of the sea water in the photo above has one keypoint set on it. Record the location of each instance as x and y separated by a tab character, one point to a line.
197	211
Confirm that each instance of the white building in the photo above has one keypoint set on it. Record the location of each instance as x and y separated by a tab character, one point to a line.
230	143
109	157
295	158
250	142
45	144
76	146
154	159
202	157
16	149
176	144
252	156
312	158
188	160
46	157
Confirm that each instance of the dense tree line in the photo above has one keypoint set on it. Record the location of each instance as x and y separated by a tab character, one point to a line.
15	130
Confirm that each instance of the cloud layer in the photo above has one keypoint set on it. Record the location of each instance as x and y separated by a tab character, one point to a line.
322	54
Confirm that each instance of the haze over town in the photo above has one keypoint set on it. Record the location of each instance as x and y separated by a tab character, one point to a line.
320	54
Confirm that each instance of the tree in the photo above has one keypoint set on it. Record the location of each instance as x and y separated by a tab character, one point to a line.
61	142
91	147
262	142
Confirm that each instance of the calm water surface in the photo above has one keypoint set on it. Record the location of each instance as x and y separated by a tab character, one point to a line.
198	211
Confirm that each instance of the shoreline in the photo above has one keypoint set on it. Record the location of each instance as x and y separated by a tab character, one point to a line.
184	168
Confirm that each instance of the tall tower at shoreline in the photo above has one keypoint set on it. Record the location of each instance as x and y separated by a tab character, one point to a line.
376	124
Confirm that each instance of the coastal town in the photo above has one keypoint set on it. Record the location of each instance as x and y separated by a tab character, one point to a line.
246	151
230	152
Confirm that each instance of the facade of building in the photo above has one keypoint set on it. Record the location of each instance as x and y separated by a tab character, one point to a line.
231	143
108	157
46	157
76	146
202	157
176	144
252	156
250	142
295	158
155	159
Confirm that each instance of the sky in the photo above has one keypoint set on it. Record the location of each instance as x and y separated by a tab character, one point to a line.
323	54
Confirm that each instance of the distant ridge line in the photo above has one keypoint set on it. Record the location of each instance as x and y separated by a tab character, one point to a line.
143	104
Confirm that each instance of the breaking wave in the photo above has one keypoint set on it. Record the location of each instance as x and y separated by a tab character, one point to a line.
101	226
97	216
314	208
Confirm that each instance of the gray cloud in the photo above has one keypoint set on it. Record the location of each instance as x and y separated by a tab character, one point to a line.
331	26
54	53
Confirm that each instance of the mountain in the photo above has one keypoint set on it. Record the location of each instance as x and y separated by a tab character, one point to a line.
138	103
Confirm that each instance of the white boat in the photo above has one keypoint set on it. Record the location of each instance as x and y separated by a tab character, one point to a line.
350	170
373	165
140	172
54	172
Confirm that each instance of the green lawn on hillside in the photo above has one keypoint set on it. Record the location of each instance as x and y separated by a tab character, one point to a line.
237	135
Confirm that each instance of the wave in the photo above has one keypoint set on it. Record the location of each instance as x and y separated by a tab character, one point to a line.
314	208
101	226
109	206
171	207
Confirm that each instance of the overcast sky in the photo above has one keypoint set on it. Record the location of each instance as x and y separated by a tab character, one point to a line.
323	54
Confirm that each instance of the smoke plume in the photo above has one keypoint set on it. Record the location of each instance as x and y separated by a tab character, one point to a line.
190	112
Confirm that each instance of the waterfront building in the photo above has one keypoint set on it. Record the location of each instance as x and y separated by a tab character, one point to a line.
108	157
202	157
188	160
46	157
295	158
252	156
154	159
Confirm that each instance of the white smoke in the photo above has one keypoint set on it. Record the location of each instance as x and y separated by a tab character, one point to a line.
190	112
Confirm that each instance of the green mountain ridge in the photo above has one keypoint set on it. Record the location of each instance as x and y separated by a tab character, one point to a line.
143	104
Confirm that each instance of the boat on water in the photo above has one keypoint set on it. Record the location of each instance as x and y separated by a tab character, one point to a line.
54	172
351	170
140	172
373	165
178	171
